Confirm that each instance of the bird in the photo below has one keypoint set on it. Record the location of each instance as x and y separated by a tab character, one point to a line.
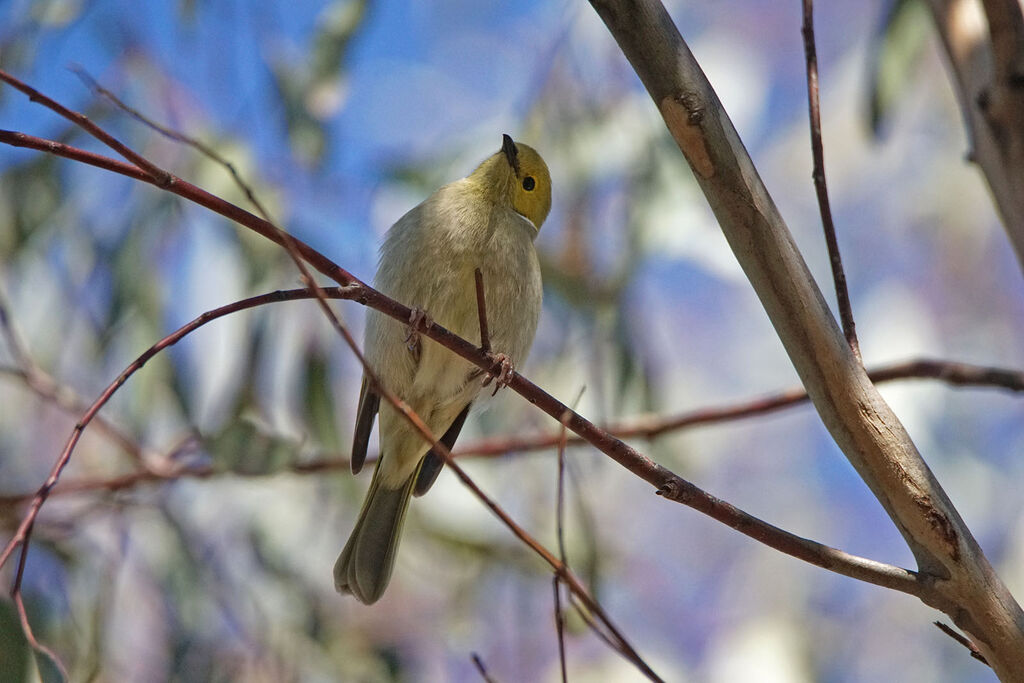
487	221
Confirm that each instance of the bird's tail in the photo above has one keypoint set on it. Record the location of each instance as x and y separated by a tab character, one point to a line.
364	566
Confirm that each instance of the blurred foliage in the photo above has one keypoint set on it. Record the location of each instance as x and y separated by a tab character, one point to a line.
312	90
14	649
897	51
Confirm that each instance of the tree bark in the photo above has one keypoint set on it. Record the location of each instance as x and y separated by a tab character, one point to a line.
959	579
987	69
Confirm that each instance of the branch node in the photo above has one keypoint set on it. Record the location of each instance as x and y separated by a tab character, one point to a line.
670	490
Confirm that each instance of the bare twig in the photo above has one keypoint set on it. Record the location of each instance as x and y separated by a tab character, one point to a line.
824	207
560	532
156	175
560	626
960	638
479	664
26	627
177	136
134	479
588	619
481	310
24	530
653	426
622	453
560	494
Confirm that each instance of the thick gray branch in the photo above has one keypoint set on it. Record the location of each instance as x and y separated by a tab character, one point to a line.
963	583
986	60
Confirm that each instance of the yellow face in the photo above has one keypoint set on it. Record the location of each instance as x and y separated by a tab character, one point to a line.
531	193
519	176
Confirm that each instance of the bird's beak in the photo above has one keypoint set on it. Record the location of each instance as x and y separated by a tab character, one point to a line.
508	146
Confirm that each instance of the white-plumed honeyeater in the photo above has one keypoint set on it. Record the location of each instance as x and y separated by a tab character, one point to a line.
487	220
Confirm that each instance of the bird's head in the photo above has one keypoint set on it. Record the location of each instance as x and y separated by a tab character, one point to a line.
517	177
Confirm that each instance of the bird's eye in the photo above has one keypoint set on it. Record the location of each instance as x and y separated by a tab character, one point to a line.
529	183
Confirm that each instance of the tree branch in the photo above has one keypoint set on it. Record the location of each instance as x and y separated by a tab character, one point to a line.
652	426
820	188
666	482
24	530
46	387
671	485
958	578
642	466
988	79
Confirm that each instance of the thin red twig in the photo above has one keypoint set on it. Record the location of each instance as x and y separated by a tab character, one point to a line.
652	426
957	374
23	532
199	145
665	481
300	253
34	643
155	175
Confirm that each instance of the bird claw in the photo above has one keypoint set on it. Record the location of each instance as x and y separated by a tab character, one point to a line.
504	374
412	338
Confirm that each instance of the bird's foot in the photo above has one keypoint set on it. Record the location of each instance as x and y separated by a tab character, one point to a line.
417	318
505	371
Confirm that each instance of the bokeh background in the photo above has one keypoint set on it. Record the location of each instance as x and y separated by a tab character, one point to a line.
345	114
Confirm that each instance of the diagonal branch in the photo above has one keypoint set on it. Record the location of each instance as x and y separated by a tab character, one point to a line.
671	486
46	387
653	426
960	581
666	482
628	457
24	530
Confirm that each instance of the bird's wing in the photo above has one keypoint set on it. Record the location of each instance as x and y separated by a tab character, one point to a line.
369	402
432	462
